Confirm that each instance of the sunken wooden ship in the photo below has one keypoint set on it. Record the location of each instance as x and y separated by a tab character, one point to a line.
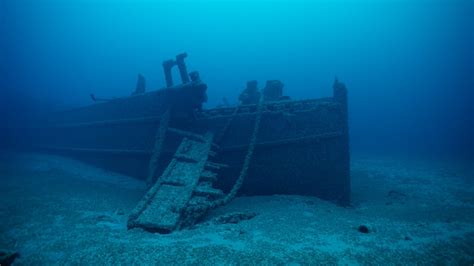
196	159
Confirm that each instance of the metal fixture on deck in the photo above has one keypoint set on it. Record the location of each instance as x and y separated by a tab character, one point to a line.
183	71
182	150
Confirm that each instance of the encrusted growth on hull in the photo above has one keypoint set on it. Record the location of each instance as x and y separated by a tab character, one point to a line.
182	184
165	137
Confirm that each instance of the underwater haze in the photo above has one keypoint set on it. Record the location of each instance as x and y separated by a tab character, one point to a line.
408	65
370	161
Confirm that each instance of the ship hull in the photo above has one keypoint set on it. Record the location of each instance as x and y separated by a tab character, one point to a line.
302	146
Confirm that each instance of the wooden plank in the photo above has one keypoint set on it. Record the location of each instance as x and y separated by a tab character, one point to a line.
106	123
317	137
159	140
162	207
92	150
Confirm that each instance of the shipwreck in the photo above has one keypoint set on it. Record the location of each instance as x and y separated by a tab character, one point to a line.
196	159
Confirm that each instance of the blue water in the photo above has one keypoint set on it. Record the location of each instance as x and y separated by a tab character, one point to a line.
408	65
409	69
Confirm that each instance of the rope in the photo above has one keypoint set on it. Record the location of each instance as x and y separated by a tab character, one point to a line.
159	140
198	210
243	172
224	130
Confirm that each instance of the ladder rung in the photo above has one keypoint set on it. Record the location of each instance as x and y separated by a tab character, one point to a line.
208	176
198	200
176	183
208	191
216	166
184	158
188	134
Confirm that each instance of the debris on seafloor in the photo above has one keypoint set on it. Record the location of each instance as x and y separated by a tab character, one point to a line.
396	196
8	257
363	229
234	218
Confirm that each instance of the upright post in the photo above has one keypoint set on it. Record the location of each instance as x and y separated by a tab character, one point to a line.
340	95
183	72
158	147
141	85
167	66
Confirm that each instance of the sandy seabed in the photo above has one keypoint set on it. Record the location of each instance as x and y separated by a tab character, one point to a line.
55	210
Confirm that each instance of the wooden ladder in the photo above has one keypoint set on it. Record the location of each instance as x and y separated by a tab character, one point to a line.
186	181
